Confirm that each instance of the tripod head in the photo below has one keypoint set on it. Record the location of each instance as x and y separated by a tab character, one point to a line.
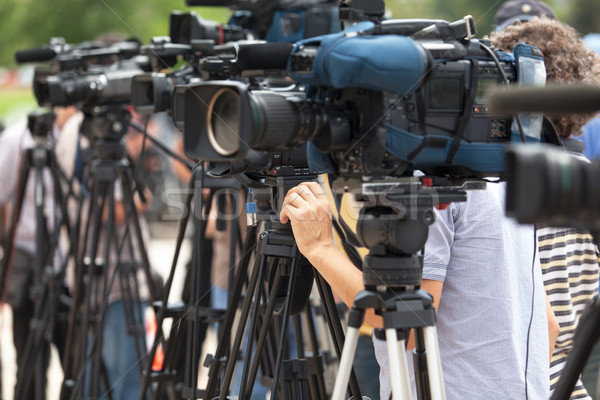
394	224
105	127
269	190
40	124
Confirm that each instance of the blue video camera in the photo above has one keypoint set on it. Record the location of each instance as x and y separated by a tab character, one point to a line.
380	99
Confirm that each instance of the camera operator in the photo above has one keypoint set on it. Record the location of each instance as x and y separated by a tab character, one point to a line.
13	142
569	257
483	273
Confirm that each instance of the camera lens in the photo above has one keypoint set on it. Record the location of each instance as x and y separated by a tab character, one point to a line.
223	122
552	187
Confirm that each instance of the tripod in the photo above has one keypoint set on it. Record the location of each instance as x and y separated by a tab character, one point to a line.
95	276
586	336
190	319
46	286
394	227
291	278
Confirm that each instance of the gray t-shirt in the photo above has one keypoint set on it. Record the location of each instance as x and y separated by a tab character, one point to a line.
493	343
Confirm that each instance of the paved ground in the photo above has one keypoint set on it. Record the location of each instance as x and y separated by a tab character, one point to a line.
161	250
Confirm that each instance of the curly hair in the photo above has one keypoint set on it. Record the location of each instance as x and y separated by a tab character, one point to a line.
566	58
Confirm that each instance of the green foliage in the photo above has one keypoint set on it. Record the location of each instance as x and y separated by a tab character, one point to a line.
483	11
15	103
28	23
585	16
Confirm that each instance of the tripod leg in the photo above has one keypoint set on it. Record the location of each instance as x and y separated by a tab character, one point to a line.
33	363
284	327
41	237
319	378
262	337
586	335
345	368
73	352
199	294
134	315
434	363
335	326
232	302
158	339
10	238
398	365
99	328
256	278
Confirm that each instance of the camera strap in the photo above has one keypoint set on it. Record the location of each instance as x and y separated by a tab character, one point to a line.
469	102
349	241
427	141
420	98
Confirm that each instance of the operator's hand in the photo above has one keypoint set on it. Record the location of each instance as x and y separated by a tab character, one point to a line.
307	208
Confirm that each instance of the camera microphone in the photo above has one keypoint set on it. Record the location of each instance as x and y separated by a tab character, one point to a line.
559	99
34	55
264	56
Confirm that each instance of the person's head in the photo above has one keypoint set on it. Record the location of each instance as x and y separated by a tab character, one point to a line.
63	114
521	10
566	58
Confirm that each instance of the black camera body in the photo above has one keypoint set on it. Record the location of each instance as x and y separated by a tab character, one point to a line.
97	85
86	74
185	27
444	99
152	92
97	80
423	107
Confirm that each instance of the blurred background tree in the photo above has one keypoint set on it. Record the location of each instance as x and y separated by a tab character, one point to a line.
584	16
578	13
29	23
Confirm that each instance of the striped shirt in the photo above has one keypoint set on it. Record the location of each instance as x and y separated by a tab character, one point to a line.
569	260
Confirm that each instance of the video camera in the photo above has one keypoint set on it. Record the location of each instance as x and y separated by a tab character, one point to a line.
281	20
552	185
96	78
212	50
208	49
422	106
97	85
88	73
152	92
546	185
190	39
66	56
